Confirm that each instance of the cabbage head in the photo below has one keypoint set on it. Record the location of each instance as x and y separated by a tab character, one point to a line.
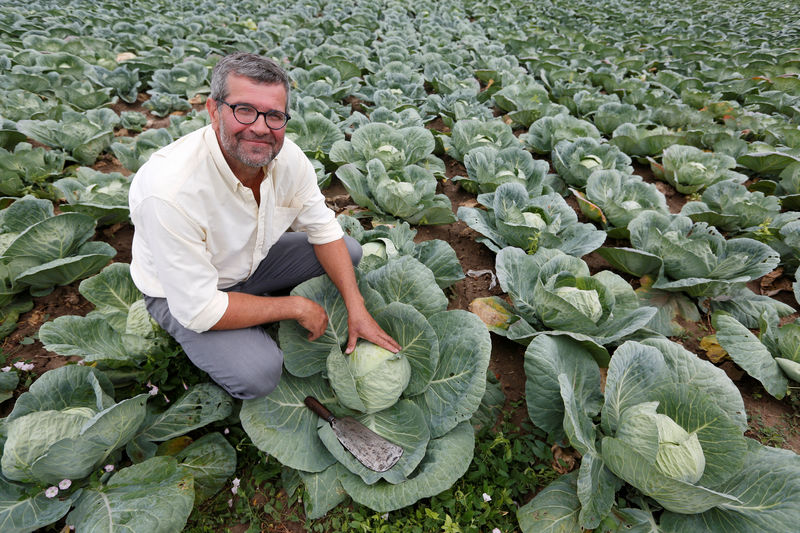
381	376
677	453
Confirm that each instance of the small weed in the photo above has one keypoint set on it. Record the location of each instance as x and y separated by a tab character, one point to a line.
767	435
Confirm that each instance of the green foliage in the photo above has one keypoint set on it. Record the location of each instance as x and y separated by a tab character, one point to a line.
448	354
68	432
527	220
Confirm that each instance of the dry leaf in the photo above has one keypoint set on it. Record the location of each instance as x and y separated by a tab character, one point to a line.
491	311
714	351
564	461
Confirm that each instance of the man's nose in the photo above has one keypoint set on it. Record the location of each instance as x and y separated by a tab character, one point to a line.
260	126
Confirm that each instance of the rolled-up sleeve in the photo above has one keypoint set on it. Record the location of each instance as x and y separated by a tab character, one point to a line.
182	264
315	217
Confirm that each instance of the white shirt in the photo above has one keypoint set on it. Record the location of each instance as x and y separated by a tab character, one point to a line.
199	230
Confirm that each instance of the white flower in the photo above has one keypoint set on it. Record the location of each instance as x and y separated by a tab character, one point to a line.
230	502
235	483
6	369
108	468
81	362
496	530
51	491
25	367
64	484
185	386
385	516
226	431
486	497
153	389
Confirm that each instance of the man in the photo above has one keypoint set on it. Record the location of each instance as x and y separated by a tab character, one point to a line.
211	213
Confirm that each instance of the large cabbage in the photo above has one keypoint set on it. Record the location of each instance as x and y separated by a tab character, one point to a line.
381	376
671	431
420	399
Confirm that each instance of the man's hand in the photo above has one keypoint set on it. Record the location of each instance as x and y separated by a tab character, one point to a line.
313	317
361	325
336	261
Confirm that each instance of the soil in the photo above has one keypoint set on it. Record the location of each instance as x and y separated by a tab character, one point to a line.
775	422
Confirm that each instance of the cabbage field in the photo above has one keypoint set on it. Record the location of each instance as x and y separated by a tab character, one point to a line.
580	219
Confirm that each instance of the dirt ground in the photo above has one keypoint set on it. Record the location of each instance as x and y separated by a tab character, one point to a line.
772	421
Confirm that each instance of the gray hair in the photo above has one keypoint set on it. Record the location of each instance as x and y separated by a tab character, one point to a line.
255	67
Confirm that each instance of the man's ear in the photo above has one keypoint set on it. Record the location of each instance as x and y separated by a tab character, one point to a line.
212	106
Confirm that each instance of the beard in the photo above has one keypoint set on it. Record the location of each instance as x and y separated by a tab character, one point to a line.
250	155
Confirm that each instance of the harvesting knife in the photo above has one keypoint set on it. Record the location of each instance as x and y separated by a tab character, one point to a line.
369	448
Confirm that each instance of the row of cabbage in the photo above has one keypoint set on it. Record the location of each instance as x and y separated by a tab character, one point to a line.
673	101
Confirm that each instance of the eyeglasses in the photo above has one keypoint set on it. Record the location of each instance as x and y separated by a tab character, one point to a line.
247	114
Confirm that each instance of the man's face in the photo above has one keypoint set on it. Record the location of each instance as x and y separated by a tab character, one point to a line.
250	145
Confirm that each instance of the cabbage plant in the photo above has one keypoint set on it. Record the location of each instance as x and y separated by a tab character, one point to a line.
526	102
614	199
123	80
551	291
671	428
315	134
469	134
547	132
185	79
39	251
82	135
772	357
395	148
133	152
610	115
118	336
529	221
730	207
409	194
690	169
103	196
27	169
641	140
67	427
576	160
440	375
162	104
324	82
395	85
19	104
385	242
454	107
690	256
489	167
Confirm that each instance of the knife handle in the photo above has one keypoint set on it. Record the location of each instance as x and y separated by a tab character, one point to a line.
313	404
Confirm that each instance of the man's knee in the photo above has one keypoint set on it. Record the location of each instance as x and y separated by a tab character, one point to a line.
257	380
354	249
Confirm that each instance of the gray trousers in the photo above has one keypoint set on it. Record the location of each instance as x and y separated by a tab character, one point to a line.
247	362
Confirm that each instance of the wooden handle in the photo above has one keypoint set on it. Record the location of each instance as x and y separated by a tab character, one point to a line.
318	408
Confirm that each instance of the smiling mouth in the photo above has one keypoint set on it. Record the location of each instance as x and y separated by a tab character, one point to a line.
262	142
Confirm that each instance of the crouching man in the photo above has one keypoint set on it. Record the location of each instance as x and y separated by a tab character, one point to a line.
211	213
